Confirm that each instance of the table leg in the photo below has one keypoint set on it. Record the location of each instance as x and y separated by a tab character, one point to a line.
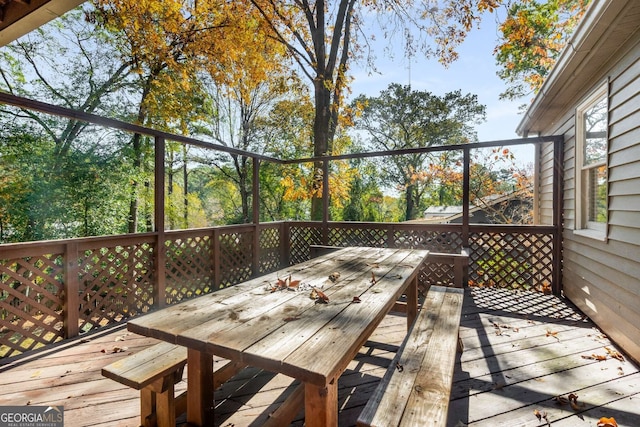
412	302
321	405
199	388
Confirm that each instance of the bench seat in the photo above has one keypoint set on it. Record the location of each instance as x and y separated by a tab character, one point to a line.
415	389
155	371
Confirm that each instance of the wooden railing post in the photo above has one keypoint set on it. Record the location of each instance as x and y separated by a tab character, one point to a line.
285	243
159	286
215	247
255	266
71	307
325	202
558	202
466	199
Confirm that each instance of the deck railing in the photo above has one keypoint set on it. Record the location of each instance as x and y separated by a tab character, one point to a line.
53	290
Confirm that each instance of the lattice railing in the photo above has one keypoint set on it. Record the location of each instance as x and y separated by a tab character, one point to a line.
189	266
235	256
445	241
115	283
31	302
436	238
108	280
508	259
270	258
301	237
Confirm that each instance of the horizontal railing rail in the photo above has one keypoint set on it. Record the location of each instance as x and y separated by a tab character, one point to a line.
54	290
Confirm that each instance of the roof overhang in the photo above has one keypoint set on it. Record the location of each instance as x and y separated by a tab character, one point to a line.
603	32
18	17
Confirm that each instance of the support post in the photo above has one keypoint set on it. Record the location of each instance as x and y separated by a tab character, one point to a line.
72	287
558	186
159	288
325	202
255	266
466	185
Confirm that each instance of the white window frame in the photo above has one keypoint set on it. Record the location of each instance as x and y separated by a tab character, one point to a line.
583	226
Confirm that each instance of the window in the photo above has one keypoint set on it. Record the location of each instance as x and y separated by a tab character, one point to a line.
592	122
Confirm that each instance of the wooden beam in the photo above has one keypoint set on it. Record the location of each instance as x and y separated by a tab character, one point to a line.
17	101
20	17
287	411
430	149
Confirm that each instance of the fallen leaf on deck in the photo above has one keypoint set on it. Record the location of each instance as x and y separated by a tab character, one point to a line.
537	414
607	422
334	276
373	278
598	357
614	354
573	401
119	349
545	288
291	319
356	300
399	367
561	400
553	334
374	265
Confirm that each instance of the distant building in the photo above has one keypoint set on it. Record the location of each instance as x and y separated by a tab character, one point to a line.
514	208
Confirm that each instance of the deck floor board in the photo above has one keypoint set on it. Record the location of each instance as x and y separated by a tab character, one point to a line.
521	350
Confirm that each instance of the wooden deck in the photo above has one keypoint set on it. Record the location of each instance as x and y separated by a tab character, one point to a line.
523	352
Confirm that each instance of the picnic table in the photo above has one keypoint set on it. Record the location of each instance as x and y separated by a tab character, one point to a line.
307	321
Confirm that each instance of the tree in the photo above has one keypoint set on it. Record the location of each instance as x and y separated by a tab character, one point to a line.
401	118
502	187
532	36
365	196
174	44
70	64
323	37
62	176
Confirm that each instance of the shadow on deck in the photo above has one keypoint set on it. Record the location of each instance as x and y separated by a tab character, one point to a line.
523	352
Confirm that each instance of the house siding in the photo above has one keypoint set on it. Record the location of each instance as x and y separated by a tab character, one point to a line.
602	277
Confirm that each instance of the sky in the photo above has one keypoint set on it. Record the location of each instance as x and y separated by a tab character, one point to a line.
474	72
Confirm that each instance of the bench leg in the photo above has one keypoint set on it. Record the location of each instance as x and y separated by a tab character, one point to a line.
166	407
147	406
321	405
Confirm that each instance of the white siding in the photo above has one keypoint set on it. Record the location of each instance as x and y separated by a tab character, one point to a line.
603	278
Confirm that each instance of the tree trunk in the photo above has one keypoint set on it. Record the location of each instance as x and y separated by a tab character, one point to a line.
322	136
410	203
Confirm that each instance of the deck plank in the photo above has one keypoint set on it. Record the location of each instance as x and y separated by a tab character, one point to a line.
499	380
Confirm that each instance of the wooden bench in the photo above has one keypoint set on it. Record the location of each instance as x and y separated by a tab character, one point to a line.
415	389
155	371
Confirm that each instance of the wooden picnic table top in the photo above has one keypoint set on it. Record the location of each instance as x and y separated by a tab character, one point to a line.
272	322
